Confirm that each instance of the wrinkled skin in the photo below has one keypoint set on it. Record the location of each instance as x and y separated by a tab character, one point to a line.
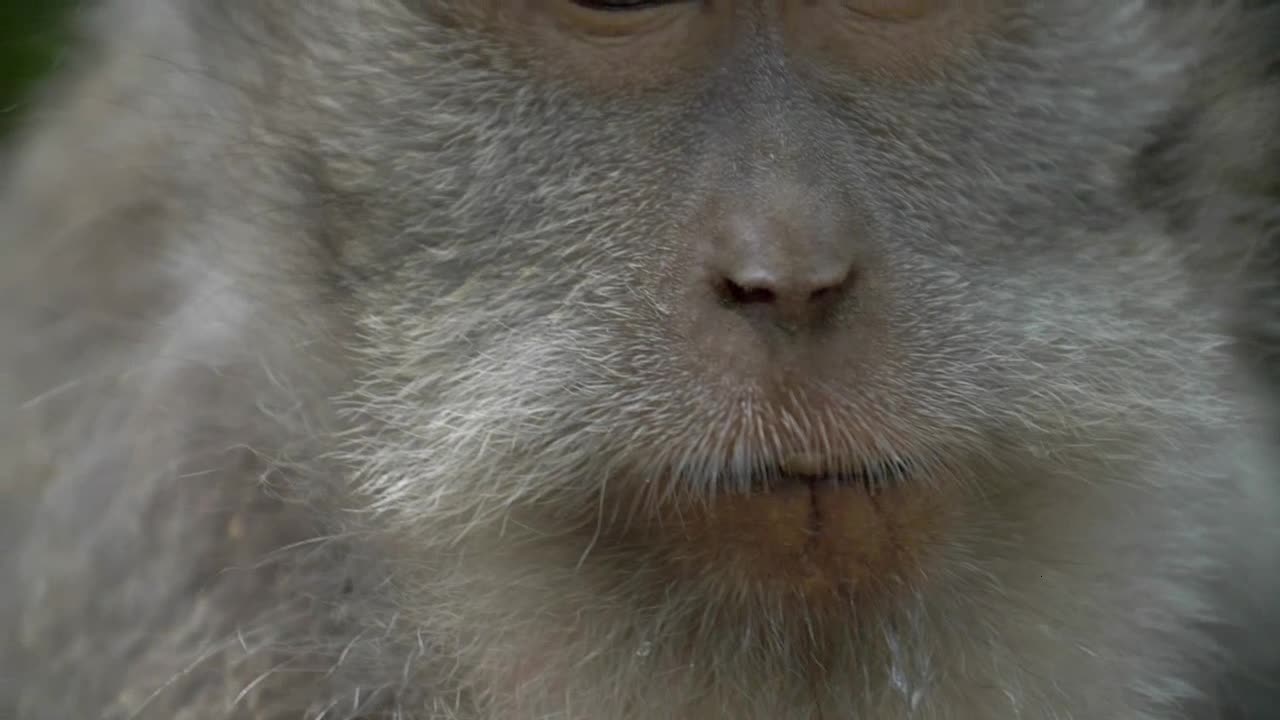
363	364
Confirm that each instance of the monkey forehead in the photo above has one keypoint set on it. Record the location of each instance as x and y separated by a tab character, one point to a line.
655	45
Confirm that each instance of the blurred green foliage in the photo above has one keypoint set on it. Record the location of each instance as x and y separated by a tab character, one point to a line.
33	34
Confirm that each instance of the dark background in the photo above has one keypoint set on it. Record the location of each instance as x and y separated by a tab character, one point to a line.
32	37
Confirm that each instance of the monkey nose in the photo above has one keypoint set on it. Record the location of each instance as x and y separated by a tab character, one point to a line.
790	272
793	301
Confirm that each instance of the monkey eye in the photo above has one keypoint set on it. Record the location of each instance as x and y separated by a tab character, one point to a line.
619	19
614	5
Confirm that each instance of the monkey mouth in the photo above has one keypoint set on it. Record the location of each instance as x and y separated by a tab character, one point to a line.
813	528
873	478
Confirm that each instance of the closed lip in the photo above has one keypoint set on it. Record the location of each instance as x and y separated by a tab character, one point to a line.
871	475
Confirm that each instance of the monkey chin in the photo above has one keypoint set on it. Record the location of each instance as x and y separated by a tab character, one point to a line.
830	546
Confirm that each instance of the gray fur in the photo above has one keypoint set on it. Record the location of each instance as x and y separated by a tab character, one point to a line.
327	322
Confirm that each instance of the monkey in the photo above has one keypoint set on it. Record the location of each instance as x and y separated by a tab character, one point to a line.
632	359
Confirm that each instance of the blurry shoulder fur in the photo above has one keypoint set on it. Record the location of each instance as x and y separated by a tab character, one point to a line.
167	282
1213	171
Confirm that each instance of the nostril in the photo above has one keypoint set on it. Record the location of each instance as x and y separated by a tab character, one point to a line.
829	291
799	299
736	294
822	293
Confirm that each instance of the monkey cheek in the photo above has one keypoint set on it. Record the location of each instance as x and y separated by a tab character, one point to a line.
824	544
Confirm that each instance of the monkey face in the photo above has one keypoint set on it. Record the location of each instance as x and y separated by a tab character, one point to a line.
792	295
752	359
